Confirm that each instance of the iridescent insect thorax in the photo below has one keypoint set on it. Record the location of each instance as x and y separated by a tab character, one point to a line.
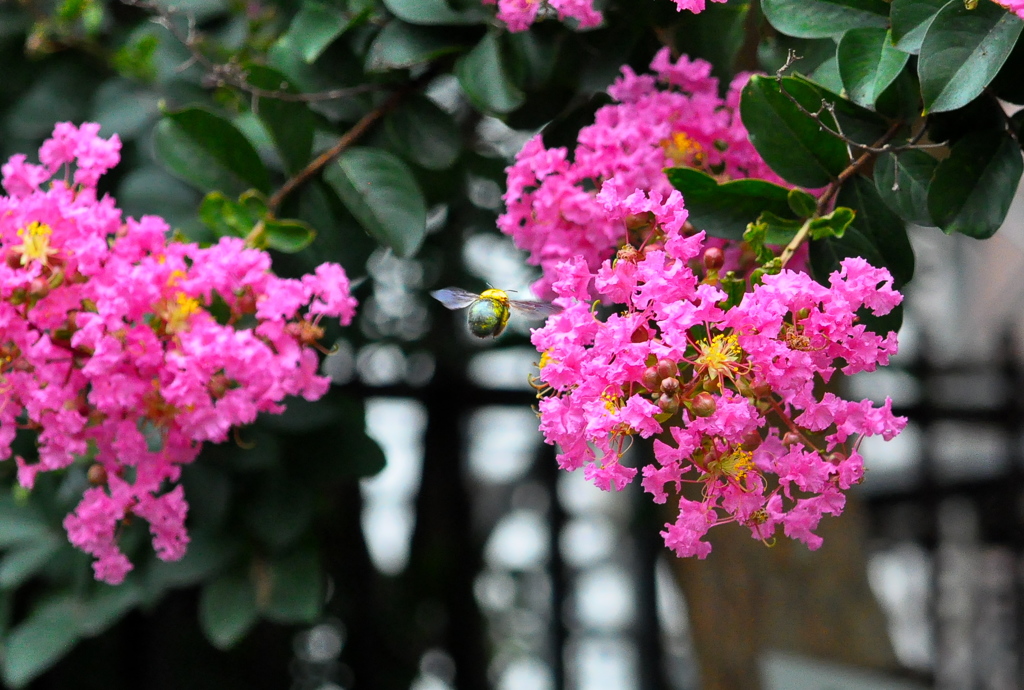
488	315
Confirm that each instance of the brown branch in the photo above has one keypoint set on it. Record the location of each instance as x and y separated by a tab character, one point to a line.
344	142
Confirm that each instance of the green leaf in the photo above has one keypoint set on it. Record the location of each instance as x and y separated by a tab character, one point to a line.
971	190
824	18
790	141
424	133
401	46
290	123
484	77
855	121
35	644
208	152
910	22
19	564
801	203
227	610
1008	85
225	217
724	210
886	231
902	182
963	51
108	606
289	236
296	588
317	25
434	12
834	224
868	64
380	191
825	257
20	523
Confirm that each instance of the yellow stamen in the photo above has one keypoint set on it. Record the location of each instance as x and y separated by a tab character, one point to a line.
35	245
683	150
719	357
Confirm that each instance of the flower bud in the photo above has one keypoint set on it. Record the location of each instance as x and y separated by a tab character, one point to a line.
703	405
97	475
790	439
666	368
751	440
836	458
651	379
670	386
640	335
714	259
669	404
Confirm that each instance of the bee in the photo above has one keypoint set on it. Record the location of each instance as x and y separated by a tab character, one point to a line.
490	310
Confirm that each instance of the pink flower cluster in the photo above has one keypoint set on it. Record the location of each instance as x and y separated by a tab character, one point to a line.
552	206
712	383
1015	6
518	15
127	351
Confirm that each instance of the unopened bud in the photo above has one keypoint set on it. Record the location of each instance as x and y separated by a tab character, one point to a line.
703	405
640	335
790	439
803	313
714	259
651	379
97	475
666	368
669	404
751	440
670	386
836	458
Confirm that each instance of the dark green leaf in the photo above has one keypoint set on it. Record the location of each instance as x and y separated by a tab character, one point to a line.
20	523
1008	84
868	64
834	224
109	605
225	217
910	22
290	123
424	133
962	52
227	610
380	191
47	634
902	182
971	190
432	12
401	46
317	25
28	559
724	210
207	151
886	231
790	141
289	236
827	75
855	121
485	78
801	203
824	18
296	589
825	257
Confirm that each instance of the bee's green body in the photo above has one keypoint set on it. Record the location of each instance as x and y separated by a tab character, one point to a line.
487	317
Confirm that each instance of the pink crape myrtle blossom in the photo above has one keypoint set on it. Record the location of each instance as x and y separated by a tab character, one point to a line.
1015	6
110	351
519	15
728	389
673	117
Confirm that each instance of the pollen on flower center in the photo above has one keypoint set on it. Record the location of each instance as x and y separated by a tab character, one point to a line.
177	313
719	357
683	150
735	465
35	245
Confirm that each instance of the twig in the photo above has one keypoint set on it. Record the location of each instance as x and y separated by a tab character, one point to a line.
230	73
831	109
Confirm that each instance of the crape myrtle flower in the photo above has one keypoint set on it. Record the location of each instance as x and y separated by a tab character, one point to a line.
111	352
673	117
519	15
728	388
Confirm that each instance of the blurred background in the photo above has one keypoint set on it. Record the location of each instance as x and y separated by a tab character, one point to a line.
467	560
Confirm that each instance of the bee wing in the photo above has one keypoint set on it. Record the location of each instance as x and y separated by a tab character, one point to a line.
454	298
536	310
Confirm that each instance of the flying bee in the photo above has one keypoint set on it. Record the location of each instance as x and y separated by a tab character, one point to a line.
489	311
